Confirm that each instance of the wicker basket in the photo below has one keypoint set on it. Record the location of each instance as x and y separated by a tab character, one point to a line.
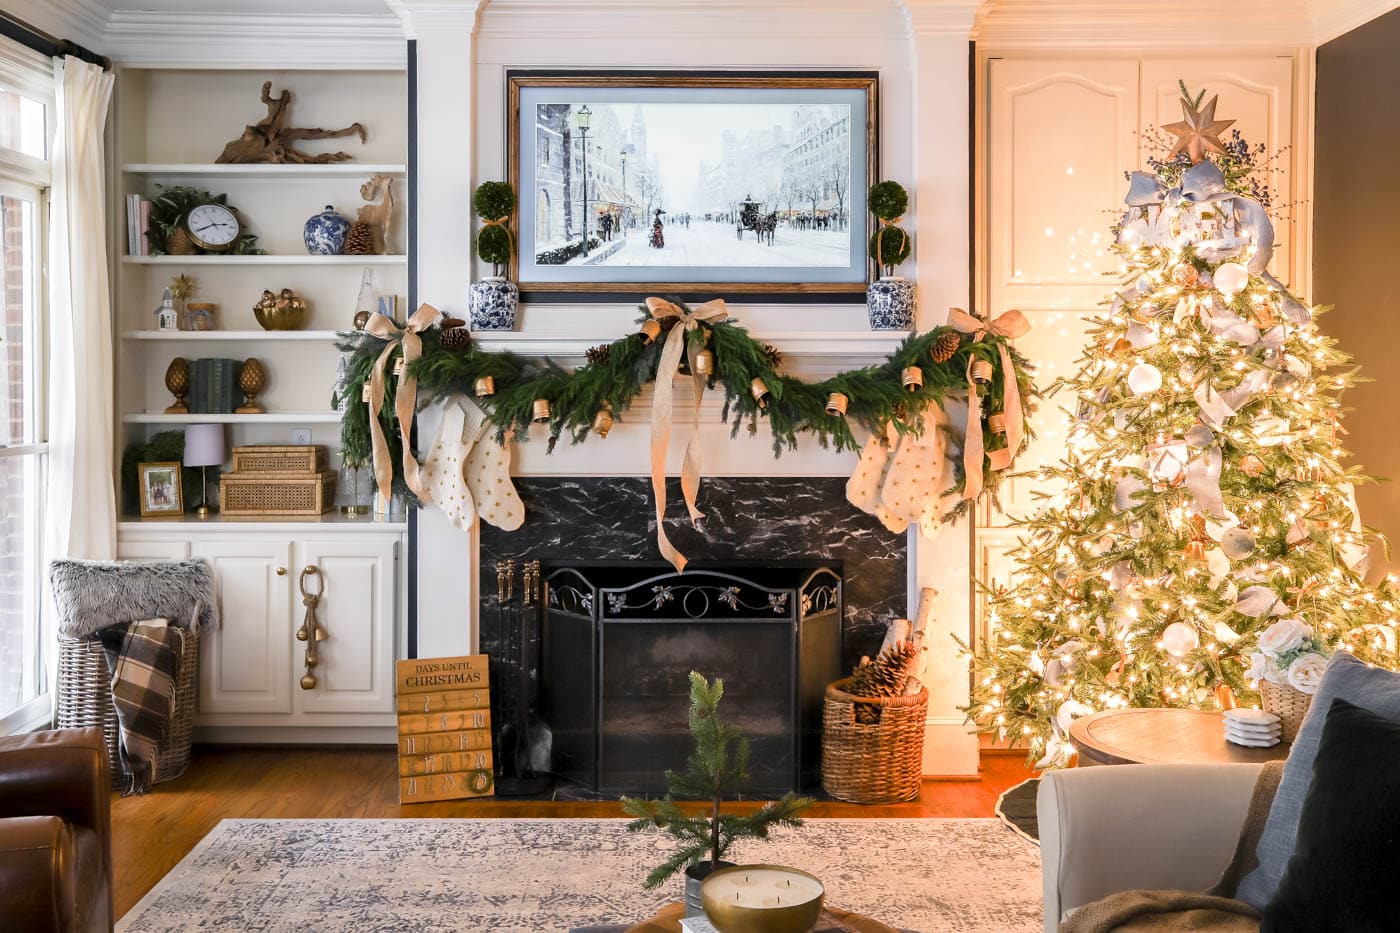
308	458
277	493
1287	703
877	763
85	699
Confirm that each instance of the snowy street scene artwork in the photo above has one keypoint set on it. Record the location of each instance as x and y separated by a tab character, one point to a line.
657	187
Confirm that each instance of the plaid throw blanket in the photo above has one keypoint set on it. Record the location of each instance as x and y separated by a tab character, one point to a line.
144	659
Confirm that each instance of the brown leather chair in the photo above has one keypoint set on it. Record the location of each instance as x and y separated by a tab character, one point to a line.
55	832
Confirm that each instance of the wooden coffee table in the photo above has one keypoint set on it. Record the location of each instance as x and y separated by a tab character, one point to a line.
1162	736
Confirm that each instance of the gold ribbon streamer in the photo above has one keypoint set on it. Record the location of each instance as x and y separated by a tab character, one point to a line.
1010	325
405	400
661	413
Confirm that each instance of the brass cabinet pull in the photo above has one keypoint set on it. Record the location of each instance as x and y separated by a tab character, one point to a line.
281	571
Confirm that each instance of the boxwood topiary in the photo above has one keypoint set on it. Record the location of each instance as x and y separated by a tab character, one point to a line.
494	202
888	200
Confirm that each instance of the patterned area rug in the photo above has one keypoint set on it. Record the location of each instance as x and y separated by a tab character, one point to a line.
460	875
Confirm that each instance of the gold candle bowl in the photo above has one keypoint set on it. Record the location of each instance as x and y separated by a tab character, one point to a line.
787	918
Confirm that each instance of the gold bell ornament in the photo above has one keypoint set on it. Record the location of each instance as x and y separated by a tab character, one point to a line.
913	378
541	412
997	423
759	389
485	385
704	363
982	372
603	421
651	329
1195	552
400	366
366	392
836	404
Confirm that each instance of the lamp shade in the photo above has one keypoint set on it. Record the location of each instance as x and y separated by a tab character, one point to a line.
204	445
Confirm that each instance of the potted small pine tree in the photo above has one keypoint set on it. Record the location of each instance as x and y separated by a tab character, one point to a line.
889	301
717	765
494	298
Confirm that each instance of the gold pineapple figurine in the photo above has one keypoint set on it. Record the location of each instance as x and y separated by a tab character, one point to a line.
252	379
177	383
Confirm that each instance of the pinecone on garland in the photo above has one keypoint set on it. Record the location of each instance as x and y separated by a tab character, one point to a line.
599	355
456	339
884	677
360	240
773	355
945	346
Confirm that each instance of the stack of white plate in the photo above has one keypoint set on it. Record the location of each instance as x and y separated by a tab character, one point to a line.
1252	727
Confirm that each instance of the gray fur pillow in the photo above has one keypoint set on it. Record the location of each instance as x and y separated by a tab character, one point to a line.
91	595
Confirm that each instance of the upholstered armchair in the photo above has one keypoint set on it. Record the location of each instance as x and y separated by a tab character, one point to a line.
1126	827
55	833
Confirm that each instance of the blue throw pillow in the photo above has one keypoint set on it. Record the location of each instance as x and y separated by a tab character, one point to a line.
1359	684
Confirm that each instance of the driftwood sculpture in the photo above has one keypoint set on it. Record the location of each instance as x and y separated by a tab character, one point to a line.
272	140
376	215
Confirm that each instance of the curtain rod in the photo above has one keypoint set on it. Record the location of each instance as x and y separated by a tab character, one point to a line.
45	44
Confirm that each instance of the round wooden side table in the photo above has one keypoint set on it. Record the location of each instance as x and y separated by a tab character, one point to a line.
1162	736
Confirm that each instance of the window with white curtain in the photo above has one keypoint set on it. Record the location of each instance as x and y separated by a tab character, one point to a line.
26	121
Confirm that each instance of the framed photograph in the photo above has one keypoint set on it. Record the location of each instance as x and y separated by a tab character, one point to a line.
694	184
161	493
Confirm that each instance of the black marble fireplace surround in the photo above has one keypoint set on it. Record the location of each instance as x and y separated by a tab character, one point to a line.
752	521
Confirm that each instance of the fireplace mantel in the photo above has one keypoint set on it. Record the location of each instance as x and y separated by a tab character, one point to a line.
823	349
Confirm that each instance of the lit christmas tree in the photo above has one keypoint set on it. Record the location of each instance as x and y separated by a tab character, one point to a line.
1203	496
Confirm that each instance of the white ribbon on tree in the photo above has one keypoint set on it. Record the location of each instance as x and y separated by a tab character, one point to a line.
662	411
1010	325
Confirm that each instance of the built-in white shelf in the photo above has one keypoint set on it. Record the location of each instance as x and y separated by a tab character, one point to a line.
266	170
272	417
216	336
335	520
267	259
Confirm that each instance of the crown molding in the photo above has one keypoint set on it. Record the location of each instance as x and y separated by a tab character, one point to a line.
1333	18
425	19
951	19
81	21
230	40
1133	25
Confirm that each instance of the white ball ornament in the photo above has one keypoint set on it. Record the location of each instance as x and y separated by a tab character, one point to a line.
1144	379
1180	639
1238	543
1230	278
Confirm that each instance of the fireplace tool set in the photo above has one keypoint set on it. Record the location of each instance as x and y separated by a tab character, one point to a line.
524	742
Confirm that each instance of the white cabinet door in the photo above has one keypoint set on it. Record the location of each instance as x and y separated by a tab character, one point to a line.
355	673
245	662
152	549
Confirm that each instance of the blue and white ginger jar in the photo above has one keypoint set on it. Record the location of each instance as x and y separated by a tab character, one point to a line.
325	233
890	303
493	303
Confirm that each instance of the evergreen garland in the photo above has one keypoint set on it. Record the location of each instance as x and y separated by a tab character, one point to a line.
616	373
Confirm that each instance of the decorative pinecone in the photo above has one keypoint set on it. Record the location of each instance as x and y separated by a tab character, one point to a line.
884	677
456	339
598	356
360	240
773	355
945	346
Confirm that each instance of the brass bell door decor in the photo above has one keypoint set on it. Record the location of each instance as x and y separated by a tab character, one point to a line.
311	632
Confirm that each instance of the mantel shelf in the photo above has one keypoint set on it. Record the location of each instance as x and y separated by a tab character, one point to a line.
846	344
272	417
335	521
265	260
265	170
213	336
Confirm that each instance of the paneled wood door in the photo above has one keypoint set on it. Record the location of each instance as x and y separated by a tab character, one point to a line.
245	662
356	669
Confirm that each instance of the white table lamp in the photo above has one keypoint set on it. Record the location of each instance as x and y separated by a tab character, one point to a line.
204	447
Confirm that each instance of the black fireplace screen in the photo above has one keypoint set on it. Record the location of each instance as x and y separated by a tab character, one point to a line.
620	640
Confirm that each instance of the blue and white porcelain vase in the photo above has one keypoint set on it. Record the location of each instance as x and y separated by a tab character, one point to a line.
890	303
493	303
324	234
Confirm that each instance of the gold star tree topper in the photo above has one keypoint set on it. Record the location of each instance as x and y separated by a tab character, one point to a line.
1198	130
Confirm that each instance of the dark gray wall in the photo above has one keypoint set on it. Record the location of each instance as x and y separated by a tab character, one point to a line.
1356	245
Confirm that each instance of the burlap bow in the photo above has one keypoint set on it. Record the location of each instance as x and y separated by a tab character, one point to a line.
661	413
1011	325
404	401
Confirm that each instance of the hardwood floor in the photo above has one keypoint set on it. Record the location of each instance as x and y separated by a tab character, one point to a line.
152	833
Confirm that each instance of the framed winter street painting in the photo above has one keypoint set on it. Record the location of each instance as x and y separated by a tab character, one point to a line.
692	184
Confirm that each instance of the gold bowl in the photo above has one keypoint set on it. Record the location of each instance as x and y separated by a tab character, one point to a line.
733	918
282	311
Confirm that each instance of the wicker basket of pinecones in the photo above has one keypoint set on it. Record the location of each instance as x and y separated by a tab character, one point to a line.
873	732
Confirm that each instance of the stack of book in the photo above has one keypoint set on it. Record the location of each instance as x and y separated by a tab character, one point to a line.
138	221
444	729
214	386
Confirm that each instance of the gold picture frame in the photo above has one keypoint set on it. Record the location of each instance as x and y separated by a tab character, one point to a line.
537	275
161	489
